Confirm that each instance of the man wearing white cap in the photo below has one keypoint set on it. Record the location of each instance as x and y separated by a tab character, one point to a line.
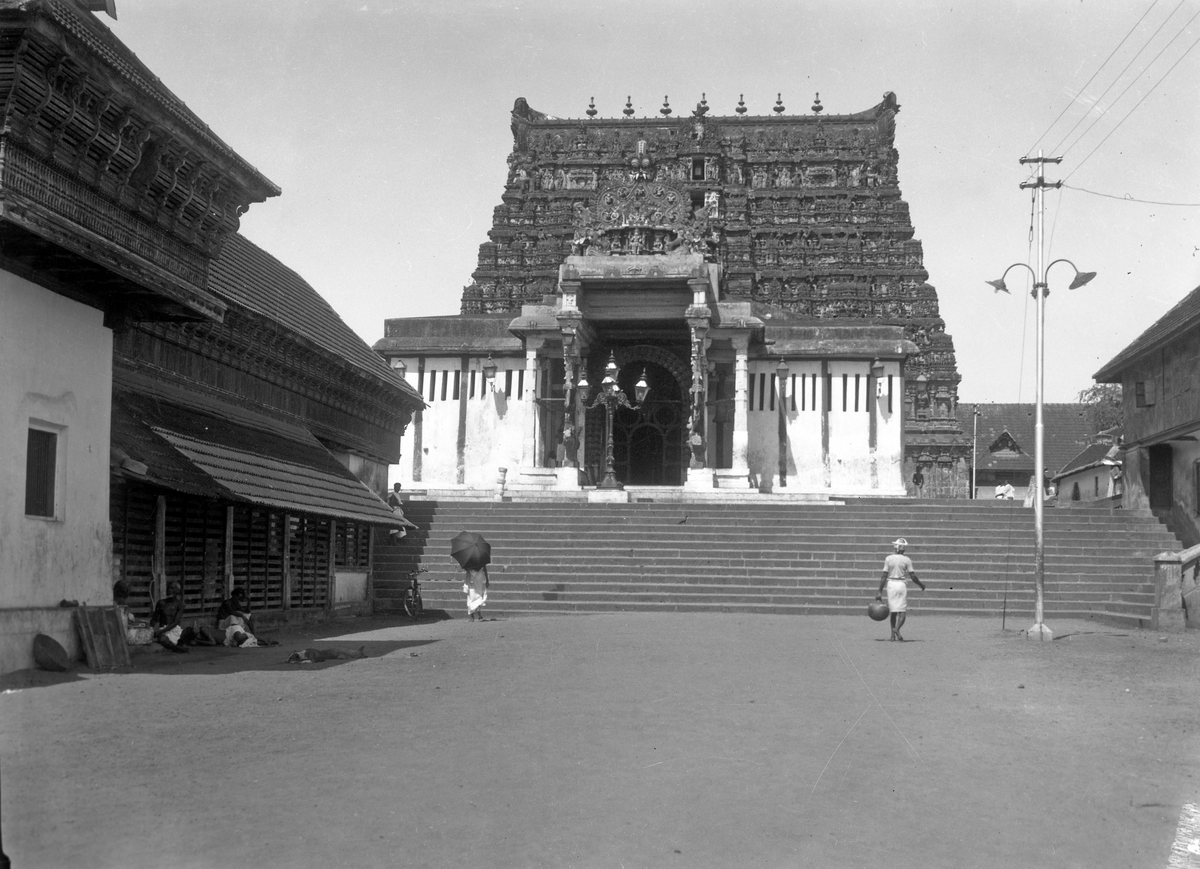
897	570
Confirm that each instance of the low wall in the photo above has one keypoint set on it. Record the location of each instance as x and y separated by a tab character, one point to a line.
18	627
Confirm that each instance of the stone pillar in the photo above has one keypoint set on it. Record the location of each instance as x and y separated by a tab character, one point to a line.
699	475
1168	614
738	474
529	457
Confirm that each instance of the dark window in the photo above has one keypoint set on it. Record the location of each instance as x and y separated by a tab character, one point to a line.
1143	392
508	384
40	462
1196	486
457	384
697	168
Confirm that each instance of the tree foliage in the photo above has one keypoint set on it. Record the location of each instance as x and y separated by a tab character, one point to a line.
1103	400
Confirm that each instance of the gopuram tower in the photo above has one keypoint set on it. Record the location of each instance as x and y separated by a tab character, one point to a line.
757	275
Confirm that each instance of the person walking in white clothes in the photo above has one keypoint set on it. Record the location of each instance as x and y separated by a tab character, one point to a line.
897	570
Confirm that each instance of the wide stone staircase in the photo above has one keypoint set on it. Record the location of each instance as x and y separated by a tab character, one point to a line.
977	557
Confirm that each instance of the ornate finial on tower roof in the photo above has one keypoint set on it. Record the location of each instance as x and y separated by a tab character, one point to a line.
702	106
817	107
591	109
666	107
778	109
741	106
628	110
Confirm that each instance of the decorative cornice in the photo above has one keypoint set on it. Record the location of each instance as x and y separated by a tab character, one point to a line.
97	155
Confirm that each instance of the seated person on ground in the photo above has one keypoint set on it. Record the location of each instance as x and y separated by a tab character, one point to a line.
165	624
237	624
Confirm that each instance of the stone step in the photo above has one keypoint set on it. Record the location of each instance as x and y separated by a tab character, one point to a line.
779	557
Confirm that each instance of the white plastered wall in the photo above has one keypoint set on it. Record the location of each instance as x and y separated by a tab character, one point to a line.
56	355
494	424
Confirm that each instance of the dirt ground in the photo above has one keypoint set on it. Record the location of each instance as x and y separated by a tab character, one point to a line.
622	741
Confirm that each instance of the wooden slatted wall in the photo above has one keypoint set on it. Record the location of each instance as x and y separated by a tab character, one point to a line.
309	561
258	556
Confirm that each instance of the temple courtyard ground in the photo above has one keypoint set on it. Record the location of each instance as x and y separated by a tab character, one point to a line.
649	740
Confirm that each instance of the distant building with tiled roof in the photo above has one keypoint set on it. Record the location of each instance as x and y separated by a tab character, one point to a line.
1093	475
1004	441
1159	373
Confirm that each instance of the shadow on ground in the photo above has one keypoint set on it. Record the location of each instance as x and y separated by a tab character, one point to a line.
213	660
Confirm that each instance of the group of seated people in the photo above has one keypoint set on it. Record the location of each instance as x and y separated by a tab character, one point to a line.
234	623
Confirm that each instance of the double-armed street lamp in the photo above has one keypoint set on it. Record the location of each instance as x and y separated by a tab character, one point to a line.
611	397
1041	289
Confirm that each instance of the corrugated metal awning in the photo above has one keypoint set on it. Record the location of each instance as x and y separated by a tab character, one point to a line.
202	454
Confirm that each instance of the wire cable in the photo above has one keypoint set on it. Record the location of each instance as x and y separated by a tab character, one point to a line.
1103	112
1139	102
1090	80
1127	198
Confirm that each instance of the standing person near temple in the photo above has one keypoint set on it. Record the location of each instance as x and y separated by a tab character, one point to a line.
475	587
897	570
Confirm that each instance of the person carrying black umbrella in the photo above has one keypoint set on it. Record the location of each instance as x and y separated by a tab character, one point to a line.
476	588
473	555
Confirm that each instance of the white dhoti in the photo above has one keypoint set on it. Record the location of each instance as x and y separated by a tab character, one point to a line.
475	597
476	589
897	595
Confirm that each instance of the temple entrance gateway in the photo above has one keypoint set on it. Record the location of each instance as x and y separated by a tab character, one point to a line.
762	273
648	443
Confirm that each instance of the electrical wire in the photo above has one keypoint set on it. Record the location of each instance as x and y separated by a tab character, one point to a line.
1127	198
1135	81
1139	102
1090	80
1100	98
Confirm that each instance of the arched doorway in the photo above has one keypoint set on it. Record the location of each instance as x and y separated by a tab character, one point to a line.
648	443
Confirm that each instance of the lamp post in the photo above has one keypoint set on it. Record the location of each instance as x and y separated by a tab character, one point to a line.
1040	291
974	447
611	397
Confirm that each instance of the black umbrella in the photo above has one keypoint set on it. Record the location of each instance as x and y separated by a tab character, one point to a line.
470	550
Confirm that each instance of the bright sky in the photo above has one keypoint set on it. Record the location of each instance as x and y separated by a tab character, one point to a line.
386	124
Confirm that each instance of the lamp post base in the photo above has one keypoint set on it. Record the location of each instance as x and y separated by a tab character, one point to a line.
1040	632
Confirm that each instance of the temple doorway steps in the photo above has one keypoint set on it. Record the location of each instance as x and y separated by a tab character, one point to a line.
779	557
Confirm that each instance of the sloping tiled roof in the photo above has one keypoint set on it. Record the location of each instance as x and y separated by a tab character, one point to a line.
248	276
205	455
1183	316
1090	455
1067	428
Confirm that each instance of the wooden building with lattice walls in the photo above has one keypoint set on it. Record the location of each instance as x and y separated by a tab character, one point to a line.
176	404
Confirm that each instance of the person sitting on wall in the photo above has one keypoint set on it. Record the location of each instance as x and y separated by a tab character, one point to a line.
236	622
397	506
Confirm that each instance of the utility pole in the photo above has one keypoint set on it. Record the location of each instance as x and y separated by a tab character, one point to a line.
1040	291
974	447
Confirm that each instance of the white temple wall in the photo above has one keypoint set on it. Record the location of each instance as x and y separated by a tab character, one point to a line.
850	427
889	431
492	427
806	470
